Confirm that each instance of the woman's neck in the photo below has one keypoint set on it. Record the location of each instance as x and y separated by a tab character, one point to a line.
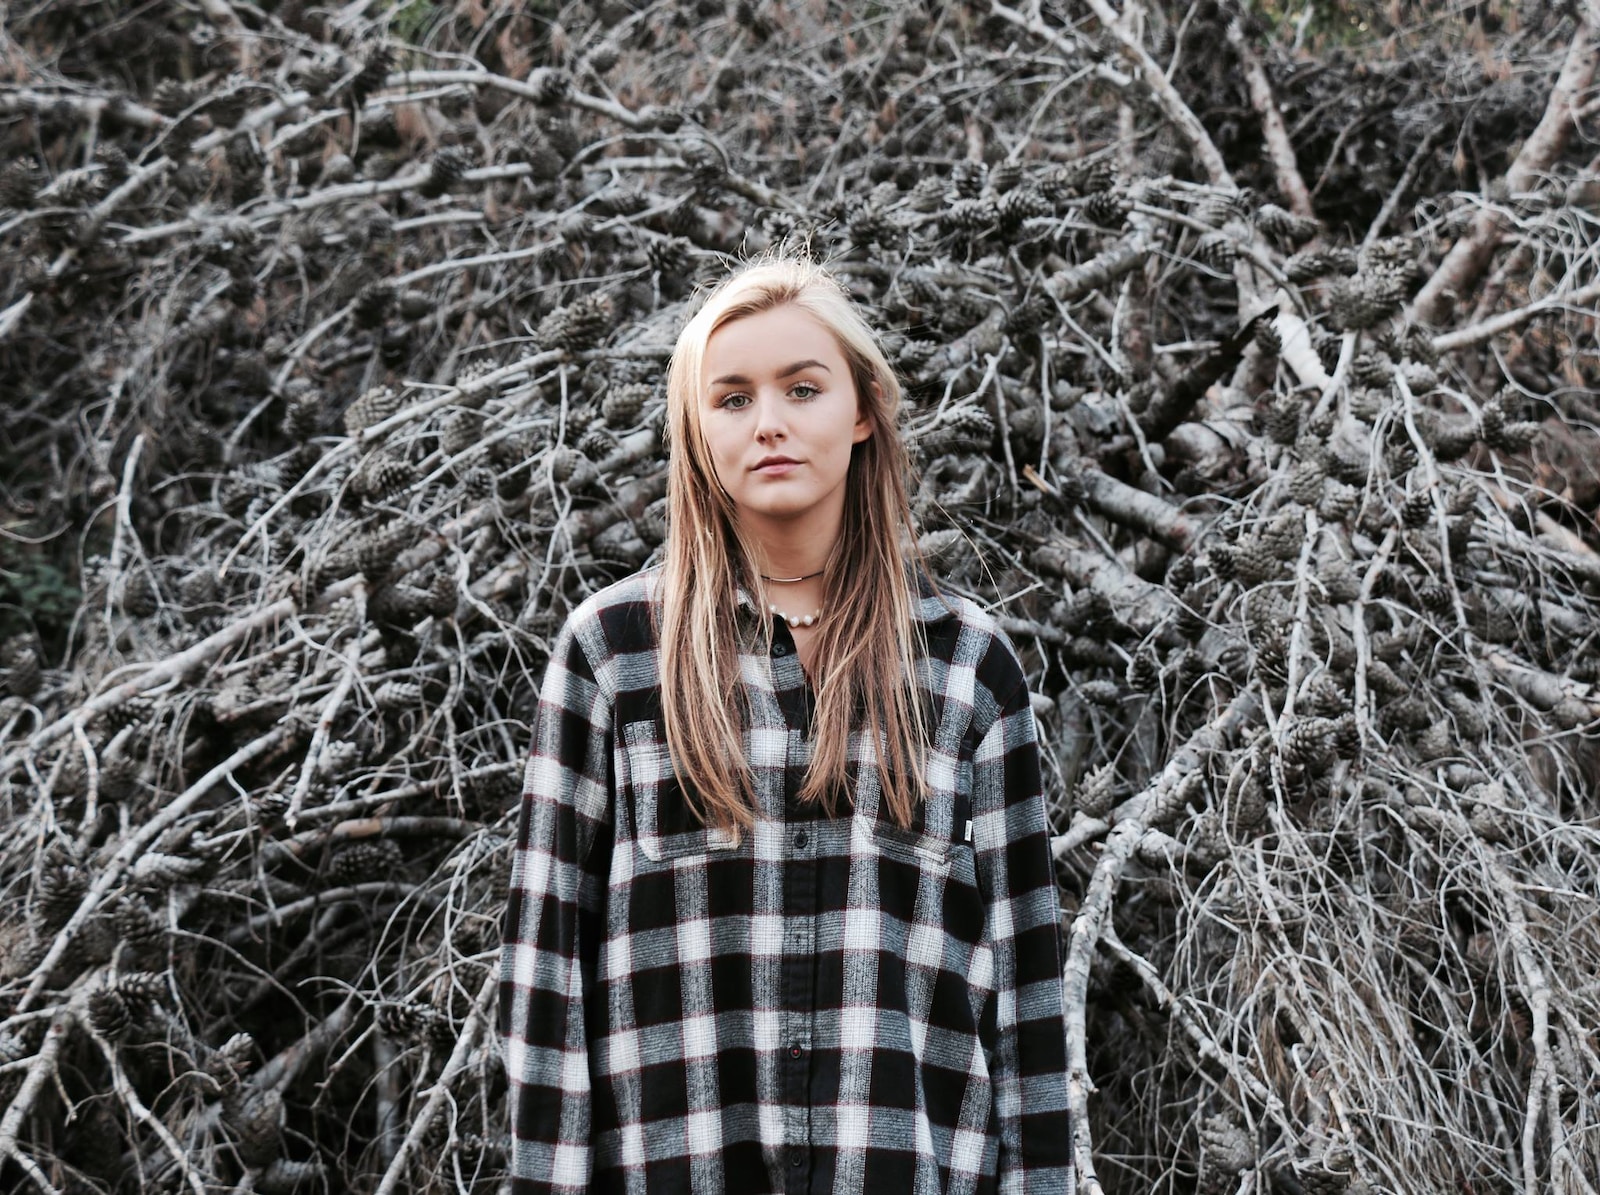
789	550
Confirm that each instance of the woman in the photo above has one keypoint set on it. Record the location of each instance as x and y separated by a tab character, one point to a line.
775	924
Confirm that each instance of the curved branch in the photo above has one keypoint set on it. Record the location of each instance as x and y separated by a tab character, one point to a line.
1469	255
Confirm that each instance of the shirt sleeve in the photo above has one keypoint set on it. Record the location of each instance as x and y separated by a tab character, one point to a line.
1029	1067
551	926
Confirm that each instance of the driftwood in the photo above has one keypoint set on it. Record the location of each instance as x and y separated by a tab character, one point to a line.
1249	381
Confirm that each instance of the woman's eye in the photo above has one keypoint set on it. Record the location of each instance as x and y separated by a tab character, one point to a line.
810	390
728	399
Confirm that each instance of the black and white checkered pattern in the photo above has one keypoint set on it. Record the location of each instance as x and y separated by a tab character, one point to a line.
823	1005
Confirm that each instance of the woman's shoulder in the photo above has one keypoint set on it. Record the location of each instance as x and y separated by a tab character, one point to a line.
966	635
615	619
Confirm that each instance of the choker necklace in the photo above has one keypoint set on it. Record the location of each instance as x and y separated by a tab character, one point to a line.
797	620
791	580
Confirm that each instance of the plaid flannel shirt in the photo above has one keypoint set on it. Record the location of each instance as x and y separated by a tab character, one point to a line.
826	1005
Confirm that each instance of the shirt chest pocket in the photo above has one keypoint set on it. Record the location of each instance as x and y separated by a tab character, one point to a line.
940	826
666	824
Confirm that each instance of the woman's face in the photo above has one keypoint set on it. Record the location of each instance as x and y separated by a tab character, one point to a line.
777	385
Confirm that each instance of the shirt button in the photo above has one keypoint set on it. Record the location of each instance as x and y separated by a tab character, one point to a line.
779	649
794	1157
795	1051
800	840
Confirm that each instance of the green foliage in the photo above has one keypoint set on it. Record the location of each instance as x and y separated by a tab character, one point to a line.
1351	22
411	18
35	595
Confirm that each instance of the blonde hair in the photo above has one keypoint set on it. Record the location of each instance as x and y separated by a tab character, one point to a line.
866	648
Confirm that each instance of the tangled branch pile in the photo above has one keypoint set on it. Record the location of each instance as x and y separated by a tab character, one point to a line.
1263	383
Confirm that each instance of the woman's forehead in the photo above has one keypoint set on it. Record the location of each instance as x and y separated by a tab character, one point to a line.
773	338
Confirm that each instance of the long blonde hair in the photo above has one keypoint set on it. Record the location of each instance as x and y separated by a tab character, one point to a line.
866	648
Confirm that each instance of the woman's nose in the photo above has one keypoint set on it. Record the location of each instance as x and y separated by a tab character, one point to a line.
769	418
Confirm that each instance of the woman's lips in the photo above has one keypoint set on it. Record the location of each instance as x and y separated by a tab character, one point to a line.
778	468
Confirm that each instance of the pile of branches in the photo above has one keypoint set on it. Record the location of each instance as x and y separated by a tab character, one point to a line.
1250	381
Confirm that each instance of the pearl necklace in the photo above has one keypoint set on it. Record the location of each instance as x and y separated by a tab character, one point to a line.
797	620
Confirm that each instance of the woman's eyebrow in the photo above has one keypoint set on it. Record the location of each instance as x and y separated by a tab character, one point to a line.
738	379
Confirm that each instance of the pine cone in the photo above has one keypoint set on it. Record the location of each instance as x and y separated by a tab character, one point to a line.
155	871
375	859
1362	301
1405	715
869	225
1514	437
596	443
139	928
1103	693
1368	405
1224	561
1417	510
256	1117
1090	612
377	550
1005	176
1083	177
1390	253
371	408
1489	818
1436	598
374	72
1306	482
139	598
1248	805
1108	209
1308	743
285	1177
1373	370
397	695
1275	221
1346	465
1144	671
1218	251
580	325
1226	1145
551	86
967	216
1338	580
1097	791
1317	1180
623	405
967	178
21	671
1339	502
669	256
372	304
461	432
1435	742
406	1020
1190	619
172	96
1572	713
61	887
1020	205
1284	536
402	605
1281	420
1306	267
927	196
109	1014
1170	803
1254	563
445	171
1468	714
